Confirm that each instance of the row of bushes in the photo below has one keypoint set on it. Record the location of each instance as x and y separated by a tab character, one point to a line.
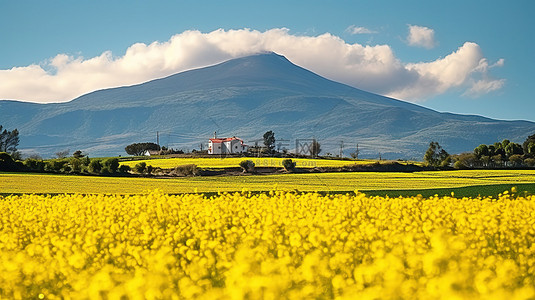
74	165
471	160
248	165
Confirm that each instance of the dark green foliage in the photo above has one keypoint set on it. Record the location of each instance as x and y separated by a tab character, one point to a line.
57	166
149	169
36	165
8	164
140	167
95	166
530	162
435	155
9	140
513	149
269	140
247	165
76	164
86	161
111	165
459	165
481	150
124	169
516	160
186	170
288	165
529	145
138	149
78	154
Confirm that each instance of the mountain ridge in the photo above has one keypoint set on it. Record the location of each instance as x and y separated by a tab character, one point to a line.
246	97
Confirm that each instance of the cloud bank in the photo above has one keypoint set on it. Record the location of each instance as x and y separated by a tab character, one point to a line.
371	68
420	36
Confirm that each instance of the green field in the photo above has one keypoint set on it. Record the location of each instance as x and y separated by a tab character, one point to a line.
230	162
393	184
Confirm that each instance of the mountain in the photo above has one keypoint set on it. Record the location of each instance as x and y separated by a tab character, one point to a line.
246	97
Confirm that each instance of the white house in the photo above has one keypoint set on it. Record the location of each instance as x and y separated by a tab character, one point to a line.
226	146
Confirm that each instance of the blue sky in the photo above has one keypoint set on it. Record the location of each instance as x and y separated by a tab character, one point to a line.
470	57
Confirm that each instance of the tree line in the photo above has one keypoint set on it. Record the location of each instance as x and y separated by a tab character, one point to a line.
498	155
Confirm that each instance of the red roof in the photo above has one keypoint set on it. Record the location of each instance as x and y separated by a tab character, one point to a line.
216	141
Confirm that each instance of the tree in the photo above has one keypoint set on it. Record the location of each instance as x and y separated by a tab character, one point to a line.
516	160
269	140
435	155
512	149
481	150
140	167
111	165
315	148
76	164
124	169
464	160
9	140
288	165
530	149
247	165
138	149
95	166
528	145
78	154
8	164
62	154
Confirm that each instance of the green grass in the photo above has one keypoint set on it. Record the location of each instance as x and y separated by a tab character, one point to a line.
469	191
469	183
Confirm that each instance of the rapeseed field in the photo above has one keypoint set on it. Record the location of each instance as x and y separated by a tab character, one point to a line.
341	181
234	162
276	245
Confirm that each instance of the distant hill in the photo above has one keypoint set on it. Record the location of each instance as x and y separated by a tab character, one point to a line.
246	97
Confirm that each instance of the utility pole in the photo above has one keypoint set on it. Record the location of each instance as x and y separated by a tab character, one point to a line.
357	152
341	149
158	138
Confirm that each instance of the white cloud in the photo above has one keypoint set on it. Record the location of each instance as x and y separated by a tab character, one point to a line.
353	29
457	69
372	68
420	36
484	86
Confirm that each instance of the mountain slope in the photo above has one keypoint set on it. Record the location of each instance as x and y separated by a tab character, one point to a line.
246	97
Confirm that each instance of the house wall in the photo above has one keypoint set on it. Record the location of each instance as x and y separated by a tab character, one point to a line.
233	146
216	148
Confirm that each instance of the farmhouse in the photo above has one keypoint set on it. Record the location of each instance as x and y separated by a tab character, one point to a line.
226	146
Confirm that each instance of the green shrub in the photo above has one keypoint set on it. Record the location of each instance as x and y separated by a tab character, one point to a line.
76	164
57	166
530	162
124	169
111	165
247	165
186	170
95	166
86	161
459	165
7	163
36	165
140	167
288	165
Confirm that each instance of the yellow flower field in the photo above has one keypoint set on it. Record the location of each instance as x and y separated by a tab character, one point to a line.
342	181
234	162
276	245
